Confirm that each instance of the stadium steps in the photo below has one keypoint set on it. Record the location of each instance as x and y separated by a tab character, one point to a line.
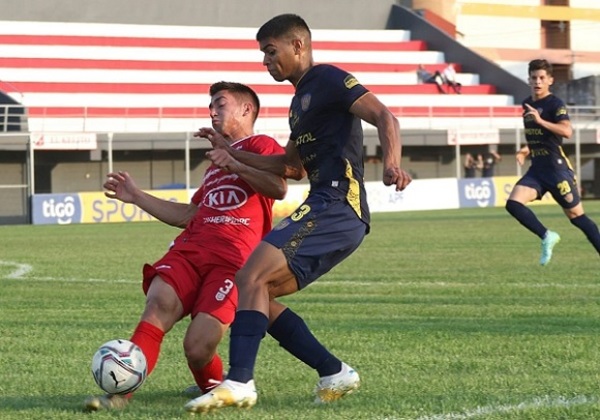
72	76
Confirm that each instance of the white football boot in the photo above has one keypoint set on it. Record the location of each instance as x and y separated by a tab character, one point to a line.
333	387
228	394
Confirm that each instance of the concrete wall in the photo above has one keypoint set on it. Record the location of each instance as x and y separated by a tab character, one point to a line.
330	14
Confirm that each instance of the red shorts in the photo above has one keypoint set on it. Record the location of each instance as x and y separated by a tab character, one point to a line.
203	281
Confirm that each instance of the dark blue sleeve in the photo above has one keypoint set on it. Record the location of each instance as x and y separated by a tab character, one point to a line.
560	111
343	87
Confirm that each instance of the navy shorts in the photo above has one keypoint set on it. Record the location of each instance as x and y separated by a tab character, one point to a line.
317	236
560	183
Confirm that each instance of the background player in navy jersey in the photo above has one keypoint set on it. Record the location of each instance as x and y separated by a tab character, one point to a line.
195	276
326	145
546	123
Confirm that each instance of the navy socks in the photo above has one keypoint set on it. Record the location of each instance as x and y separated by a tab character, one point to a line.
293	334
526	217
247	331
289	330
589	228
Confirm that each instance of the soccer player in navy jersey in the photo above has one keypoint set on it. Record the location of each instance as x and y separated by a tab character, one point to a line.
326	145
546	124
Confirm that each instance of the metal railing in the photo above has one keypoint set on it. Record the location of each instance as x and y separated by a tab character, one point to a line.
158	119
13	118
18	118
15	133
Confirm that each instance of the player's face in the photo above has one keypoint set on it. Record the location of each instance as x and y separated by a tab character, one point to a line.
279	58
225	112
540	83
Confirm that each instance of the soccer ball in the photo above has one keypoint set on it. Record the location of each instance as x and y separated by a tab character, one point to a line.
119	367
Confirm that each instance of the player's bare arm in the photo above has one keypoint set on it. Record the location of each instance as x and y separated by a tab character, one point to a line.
286	165
371	110
121	186
522	155
563	128
293	164
216	139
263	182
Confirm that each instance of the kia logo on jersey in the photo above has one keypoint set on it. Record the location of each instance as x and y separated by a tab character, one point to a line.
225	197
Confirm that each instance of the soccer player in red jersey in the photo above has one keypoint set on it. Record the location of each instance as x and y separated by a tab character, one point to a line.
546	123
227	217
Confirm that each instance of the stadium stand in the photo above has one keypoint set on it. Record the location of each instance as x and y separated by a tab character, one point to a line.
143	78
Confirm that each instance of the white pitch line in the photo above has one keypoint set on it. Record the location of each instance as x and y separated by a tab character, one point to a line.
19	271
445	284
72	280
536	403
23	269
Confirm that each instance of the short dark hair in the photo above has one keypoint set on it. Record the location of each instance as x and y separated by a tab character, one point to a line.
540	64
237	89
282	25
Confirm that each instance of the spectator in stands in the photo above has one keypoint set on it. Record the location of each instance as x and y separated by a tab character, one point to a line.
472	165
426	77
489	161
449	76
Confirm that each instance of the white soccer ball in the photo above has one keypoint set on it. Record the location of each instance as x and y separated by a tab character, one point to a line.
119	367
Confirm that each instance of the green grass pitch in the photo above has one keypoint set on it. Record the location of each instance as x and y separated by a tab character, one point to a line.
445	314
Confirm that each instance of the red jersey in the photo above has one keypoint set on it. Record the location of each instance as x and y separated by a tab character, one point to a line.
232	218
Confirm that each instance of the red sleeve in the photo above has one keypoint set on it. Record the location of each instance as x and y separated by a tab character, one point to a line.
264	145
197	197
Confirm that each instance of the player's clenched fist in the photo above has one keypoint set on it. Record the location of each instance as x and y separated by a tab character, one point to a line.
216	139
222	159
398	177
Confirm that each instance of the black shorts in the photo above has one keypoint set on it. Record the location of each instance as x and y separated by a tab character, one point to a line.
317	236
560	183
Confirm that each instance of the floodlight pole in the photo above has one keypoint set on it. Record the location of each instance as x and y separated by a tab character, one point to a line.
110	152
457	152
518	147
578	154
187	160
31	166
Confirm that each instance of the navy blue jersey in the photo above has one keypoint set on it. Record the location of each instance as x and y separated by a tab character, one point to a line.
550	168
329	138
545	147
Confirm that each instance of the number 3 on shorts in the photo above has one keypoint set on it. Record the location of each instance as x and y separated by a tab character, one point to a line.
300	213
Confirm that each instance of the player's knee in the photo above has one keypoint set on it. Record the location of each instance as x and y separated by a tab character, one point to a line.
160	305
162	312
198	353
247	279
574	212
161	300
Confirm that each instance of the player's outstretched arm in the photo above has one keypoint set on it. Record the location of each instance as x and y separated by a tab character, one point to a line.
286	165
371	110
263	182
121	186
